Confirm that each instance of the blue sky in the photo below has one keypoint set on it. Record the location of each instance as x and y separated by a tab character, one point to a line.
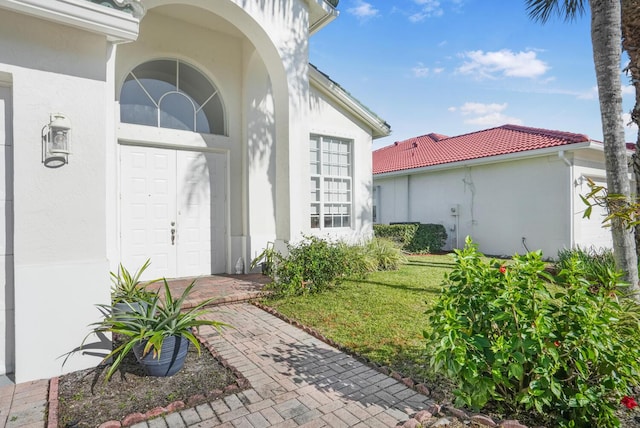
457	66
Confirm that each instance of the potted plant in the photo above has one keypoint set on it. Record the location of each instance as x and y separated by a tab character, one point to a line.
127	293
266	259
158	333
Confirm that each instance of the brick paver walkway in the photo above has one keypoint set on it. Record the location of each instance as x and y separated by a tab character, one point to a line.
23	405
296	379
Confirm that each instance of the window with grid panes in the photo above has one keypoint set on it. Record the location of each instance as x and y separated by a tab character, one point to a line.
331	182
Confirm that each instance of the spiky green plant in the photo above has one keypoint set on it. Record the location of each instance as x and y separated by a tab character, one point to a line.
151	324
127	288
384	254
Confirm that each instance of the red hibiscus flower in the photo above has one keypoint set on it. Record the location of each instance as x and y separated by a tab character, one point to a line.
557	344
503	269
628	402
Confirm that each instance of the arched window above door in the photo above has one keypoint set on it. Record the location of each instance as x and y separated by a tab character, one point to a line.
168	93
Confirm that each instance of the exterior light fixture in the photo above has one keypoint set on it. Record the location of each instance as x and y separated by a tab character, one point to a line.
56	140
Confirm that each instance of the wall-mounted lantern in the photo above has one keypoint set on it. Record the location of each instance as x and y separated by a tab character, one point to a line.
56	141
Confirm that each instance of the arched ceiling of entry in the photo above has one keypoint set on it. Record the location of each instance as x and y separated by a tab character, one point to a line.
194	15
229	17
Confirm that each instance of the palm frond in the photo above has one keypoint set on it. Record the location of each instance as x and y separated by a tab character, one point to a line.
542	10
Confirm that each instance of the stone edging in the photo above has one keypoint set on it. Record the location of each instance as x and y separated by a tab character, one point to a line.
418	418
241	383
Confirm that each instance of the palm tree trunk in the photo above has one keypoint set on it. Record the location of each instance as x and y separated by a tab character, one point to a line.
606	35
631	44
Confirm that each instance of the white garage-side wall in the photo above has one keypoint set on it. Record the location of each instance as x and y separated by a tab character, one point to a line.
589	233
329	119
498	204
61	269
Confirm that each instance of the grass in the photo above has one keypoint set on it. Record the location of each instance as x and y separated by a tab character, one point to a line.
382	317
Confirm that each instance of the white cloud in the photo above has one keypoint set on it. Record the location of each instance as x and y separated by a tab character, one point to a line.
421	70
503	62
630	128
628	90
428	9
479	108
592	94
363	10
493	119
486	115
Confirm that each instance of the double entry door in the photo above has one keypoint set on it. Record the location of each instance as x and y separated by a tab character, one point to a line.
172	211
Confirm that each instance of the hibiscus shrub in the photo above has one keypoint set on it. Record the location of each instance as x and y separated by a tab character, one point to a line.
508	333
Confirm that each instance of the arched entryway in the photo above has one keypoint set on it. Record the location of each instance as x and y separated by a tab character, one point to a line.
172	194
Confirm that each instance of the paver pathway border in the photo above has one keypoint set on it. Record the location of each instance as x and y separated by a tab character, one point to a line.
296	380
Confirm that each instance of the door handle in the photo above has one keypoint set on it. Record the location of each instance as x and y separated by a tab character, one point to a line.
173	236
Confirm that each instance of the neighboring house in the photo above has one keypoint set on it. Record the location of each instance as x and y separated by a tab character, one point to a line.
191	124
510	188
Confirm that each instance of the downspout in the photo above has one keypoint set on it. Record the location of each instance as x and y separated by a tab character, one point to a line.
409	216
561	156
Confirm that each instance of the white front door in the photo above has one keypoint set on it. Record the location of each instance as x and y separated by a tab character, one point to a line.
172	211
7	325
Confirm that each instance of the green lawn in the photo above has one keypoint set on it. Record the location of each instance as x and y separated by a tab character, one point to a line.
381	317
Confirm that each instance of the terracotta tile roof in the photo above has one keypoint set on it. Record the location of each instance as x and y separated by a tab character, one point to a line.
436	149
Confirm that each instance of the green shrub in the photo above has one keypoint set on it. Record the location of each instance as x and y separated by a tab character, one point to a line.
429	238
315	264
383	254
402	234
508	334
597	266
414	237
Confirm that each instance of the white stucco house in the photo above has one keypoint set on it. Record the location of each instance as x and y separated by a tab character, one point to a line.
184	131
510	188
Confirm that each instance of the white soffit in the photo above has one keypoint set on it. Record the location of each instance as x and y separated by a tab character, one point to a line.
347	101
116	25
320	14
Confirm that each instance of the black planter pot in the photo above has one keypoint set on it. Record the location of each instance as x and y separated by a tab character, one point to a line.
121	310
172	356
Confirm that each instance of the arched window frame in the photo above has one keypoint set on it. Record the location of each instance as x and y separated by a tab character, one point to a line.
196	107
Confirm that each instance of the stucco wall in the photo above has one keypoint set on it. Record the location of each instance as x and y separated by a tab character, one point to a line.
330	119
589	233
59	233
498	204
260	157
66	218
279	31
260	70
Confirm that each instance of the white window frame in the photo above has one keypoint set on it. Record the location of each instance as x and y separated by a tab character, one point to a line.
164	101
331	182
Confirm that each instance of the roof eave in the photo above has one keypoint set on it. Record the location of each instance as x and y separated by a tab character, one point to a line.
117	26
321	13
379	128
493	159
